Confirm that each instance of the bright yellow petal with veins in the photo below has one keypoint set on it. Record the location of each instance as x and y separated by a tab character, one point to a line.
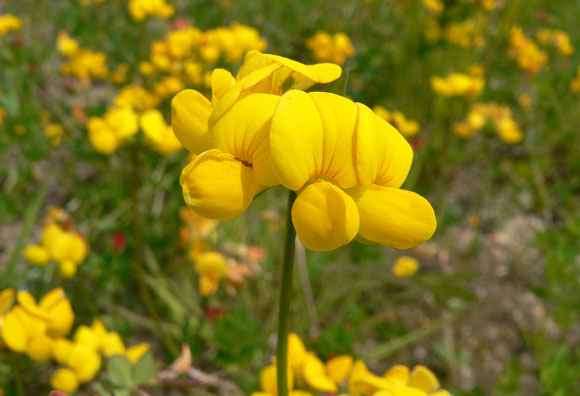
339	367
244	131
315	376
296	140
217	185
382	155
190	112
393	217
325	217
424	379
338	116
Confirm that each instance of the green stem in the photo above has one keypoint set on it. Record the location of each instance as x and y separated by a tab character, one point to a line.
30	217
284	304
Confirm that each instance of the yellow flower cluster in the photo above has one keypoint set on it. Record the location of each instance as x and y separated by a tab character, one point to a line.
335	48
9	23
60	243
526	52
405	267
500	117
83	64
108	133
142	9
458	84
81	357
29	327
556	38
39	330
182	55
466	34
346	164
575	83
406	126
212	267
309	376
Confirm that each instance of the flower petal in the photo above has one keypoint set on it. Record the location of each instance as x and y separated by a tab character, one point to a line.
325	217
190	112
338	116
217	185
244	132
393	217
424	379
382	155
304	76
296	139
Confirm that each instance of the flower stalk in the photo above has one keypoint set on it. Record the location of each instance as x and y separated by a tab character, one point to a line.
284	302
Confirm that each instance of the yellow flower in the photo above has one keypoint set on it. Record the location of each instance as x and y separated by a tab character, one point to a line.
19	328
141	9
211	268
558	39
66	45
342	163
499	116
326	48
339	368
36	254
158	133
84	361
9	23
406	126
348	179
59	311
135	353
65	380
118	125
268	380
457	84
524	50
405	266
7	298
434	6
112	344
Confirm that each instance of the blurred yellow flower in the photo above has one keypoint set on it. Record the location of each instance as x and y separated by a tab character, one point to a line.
403	124
557	38
136	352
142	9
211	268
158	133
434	6
524	50
466	33
500	117
9	23
107	133
405	267
66	45
457	84
335	48
65	380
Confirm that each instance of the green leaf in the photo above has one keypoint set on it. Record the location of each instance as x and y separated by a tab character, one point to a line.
119	372
144	370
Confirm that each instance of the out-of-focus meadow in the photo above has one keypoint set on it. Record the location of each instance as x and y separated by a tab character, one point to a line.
109	285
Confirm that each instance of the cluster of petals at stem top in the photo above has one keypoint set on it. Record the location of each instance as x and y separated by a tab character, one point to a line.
261	129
